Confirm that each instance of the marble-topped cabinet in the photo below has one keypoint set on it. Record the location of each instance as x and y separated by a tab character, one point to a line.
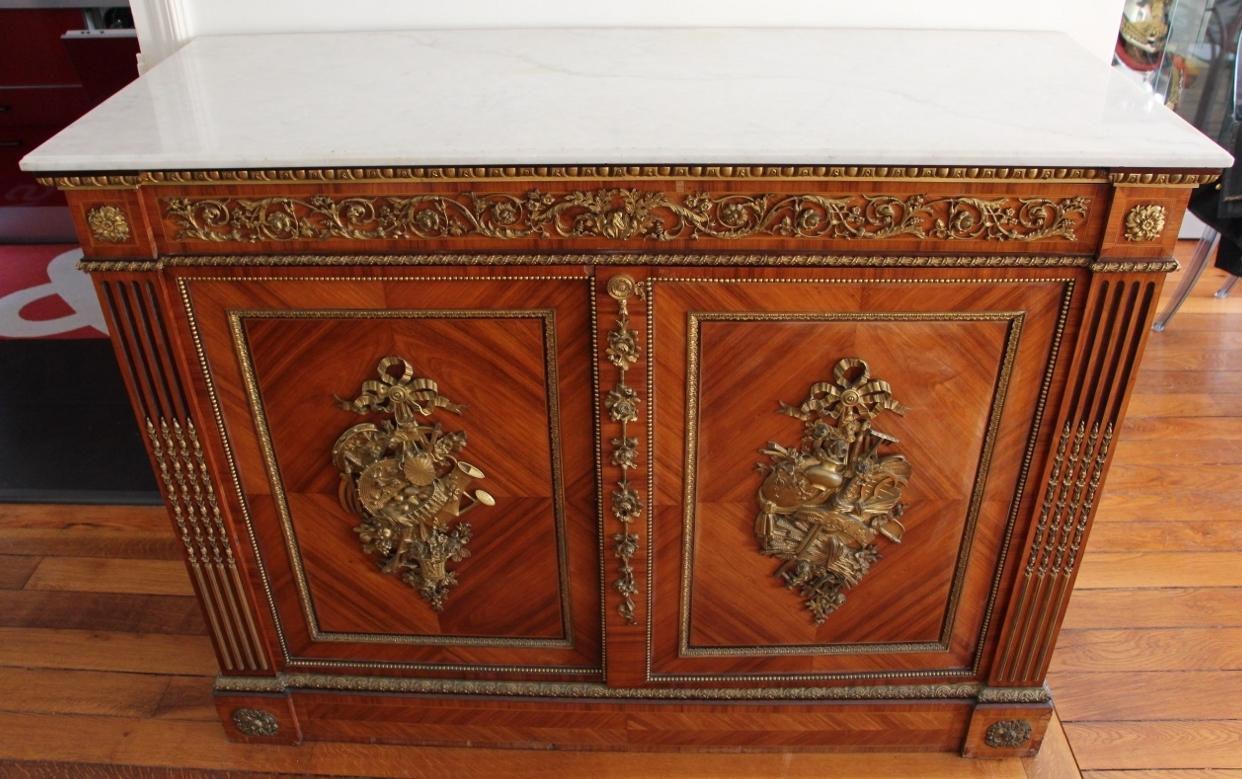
632	388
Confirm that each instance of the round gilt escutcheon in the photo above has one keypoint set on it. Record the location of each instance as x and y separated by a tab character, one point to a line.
255	722
1145	222
1008	733
621	287
108	224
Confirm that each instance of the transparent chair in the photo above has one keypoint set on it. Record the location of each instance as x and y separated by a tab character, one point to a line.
1194	269
1210	238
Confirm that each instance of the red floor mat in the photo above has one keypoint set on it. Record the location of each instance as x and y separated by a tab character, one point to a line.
42	294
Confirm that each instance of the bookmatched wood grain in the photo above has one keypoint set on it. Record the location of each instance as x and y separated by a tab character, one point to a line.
741	618
513	350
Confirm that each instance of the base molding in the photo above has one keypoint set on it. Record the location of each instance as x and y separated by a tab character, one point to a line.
289	715
305	682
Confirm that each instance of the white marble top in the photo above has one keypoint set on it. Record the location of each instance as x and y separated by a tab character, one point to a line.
579	96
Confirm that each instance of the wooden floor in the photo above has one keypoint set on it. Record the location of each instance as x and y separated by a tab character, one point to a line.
1147	675
105	668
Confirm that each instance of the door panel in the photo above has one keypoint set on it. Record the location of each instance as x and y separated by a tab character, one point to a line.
966	357
502	359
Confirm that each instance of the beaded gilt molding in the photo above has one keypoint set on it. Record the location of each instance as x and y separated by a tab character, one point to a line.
594	172
420	173
614	259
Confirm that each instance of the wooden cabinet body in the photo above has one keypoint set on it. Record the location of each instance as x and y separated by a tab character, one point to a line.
633	355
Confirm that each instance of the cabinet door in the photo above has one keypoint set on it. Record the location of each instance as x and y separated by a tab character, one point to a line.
838	463
412	452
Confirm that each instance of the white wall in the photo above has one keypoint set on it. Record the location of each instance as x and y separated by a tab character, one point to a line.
163	25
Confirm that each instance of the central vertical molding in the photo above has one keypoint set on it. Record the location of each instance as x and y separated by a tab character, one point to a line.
622	404
623	452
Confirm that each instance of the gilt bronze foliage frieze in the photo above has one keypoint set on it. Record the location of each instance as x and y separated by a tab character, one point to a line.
825	503
402	476
624	214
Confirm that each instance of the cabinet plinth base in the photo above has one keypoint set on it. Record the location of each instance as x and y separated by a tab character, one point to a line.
331	368
1006	730
259	718
739	726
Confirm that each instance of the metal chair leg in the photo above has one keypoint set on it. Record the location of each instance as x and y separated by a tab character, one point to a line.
1227	287
1194	270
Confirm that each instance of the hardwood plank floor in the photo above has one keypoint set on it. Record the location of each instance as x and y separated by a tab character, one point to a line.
1158	608
97	574
1167	744
129	743
1147	676
105	670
